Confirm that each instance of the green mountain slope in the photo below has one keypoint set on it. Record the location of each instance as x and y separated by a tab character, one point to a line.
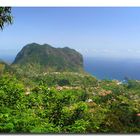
4	67
48	58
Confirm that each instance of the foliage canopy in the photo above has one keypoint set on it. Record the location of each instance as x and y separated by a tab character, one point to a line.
5	16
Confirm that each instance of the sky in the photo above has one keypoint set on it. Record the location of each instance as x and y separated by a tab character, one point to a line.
109	32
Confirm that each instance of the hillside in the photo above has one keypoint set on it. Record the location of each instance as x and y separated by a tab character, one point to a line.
48	58
62	100
68	103
4	67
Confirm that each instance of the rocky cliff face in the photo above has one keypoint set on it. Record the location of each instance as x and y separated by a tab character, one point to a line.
49	58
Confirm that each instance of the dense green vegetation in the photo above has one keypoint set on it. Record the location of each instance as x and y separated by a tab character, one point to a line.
47	58
68	103
36	100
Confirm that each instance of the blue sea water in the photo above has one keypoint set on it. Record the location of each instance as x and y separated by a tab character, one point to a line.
106	68
7	59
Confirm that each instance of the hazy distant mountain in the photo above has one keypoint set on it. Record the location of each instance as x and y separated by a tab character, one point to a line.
49	58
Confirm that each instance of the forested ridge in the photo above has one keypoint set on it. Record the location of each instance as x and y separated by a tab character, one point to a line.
48	58
67	102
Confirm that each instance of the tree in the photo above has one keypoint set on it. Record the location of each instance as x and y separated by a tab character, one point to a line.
2	66
5	16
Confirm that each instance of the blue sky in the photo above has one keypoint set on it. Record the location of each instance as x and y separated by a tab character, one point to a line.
95	32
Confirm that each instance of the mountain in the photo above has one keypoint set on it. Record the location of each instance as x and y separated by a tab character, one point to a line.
47	58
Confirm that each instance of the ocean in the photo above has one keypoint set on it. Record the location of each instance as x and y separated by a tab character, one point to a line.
106	68
7	59
119	69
